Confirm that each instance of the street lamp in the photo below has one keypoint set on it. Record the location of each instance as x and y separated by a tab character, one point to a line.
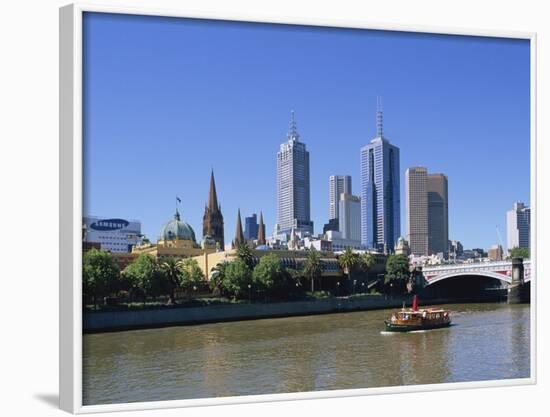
338	289
363	285
354	282
249	294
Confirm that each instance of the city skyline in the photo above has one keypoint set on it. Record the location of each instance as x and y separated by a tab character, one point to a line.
162	139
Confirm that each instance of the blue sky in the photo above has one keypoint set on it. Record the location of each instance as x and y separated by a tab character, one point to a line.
167	99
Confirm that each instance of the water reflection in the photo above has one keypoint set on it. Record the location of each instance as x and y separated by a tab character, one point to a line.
338	351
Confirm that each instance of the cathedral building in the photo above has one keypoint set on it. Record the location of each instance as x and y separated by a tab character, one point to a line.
212	223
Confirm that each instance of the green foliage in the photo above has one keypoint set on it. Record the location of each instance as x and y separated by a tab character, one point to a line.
312	267
237	278
217	276
144	274
349	261
100	273
269	274
245	254
192	275
397	272
366	261
519	253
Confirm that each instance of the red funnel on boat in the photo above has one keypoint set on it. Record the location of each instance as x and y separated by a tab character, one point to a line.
415	303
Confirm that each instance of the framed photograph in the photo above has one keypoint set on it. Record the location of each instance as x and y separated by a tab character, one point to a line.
262	209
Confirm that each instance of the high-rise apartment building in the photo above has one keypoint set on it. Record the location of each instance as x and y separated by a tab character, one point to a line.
337	185
293	195
518	226
380	199
350	217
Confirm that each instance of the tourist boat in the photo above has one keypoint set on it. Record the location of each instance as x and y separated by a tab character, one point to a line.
409	319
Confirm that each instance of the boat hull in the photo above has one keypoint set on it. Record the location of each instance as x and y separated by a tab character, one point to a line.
393	327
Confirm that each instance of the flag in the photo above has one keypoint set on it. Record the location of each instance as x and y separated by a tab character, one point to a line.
179	200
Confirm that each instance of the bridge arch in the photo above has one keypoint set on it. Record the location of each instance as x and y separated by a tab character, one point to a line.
452	274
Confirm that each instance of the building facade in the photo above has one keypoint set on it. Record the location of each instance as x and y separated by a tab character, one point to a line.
212	222
337	185
293	188
251	227
350	216
518	226
416	196
380	195
111	234
438	214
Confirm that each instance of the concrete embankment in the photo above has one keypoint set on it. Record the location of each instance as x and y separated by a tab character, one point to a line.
104	321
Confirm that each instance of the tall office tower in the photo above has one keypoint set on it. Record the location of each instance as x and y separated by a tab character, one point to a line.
350	216
293	204
337	184
518	225
416	196
438	214
380	199
212	222
251	227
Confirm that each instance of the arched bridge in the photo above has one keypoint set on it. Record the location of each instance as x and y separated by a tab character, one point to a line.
501	270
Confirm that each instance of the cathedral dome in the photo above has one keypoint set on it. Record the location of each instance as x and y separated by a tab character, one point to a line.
176	229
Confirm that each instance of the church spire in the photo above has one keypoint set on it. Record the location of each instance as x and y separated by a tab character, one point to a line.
212	196
239	236
261	230
292	130
379	119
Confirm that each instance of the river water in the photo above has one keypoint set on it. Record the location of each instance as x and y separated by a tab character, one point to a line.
325	352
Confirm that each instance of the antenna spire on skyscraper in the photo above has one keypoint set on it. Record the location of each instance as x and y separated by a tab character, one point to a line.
379	119
292	130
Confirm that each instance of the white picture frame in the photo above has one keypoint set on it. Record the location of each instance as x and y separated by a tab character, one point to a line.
70	203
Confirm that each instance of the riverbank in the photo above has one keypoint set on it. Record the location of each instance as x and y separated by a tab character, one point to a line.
108	321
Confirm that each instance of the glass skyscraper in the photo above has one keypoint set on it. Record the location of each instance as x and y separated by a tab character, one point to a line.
380	198
293	204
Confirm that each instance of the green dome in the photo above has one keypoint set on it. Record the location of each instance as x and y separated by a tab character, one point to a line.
175	229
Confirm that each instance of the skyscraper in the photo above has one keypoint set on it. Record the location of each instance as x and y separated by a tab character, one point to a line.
438	214
518	225
293	204
350	217
416	196
251	227
427	212
337	184
380	200
212	222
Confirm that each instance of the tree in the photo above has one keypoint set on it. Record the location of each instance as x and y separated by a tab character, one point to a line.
217	276
348	261
145	275
269	274
100	273
237	277
192	275
245	254
171	270
397	272
366	261
519	253
313	267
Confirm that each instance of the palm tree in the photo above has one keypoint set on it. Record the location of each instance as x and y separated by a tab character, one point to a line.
245	254
348	261
172	271
313	267
367	262
217	276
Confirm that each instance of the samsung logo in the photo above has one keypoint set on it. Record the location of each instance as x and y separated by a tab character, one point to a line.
109	224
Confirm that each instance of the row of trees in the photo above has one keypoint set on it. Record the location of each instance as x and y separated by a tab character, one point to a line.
145	276
149	276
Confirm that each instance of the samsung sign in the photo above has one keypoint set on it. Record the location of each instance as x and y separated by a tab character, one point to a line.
109	224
